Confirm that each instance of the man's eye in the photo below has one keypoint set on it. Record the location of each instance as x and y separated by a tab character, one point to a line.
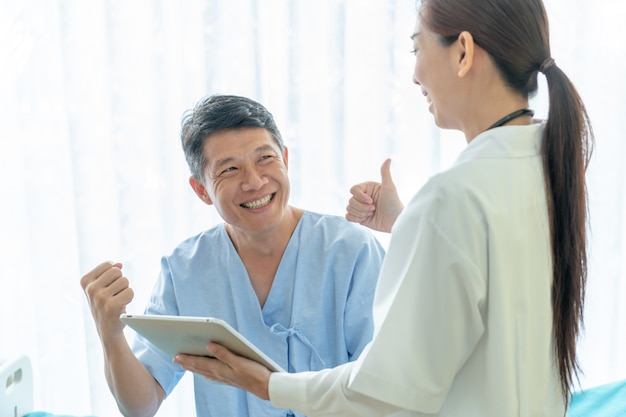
229	169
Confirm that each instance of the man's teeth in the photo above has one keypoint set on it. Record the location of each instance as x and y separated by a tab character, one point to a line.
259	203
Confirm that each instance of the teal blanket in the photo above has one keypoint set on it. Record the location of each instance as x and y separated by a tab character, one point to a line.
607	400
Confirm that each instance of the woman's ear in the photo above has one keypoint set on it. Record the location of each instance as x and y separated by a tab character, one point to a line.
466	53
200	190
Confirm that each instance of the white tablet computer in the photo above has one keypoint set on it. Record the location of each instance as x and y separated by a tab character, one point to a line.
191	335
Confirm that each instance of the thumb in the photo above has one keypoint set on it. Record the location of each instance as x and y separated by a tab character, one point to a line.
385	174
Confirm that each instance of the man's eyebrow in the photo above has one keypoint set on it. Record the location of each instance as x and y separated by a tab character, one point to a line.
225	161
265	148
221	162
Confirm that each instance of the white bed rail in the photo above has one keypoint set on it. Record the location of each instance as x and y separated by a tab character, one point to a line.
16	387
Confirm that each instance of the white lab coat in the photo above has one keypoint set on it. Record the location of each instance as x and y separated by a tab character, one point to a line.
463	318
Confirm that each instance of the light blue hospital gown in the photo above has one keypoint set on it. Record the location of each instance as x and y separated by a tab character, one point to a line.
317	314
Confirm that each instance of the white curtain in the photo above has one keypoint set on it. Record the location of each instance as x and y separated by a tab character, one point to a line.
91	96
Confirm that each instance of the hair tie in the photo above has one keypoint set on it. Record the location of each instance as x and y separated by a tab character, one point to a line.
546	65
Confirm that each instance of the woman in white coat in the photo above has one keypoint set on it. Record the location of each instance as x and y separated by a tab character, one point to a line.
480	297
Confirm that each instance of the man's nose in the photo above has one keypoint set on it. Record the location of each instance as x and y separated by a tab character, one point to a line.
254	180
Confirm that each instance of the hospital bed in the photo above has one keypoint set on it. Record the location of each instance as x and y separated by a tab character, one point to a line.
16	395
16	387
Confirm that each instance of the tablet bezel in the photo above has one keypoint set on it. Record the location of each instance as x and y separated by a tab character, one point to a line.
191	335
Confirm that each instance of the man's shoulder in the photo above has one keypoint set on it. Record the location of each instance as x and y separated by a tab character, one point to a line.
315	217
330	222
334	228
214	236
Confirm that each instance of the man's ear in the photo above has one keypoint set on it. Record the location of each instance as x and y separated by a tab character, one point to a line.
200	190
286	156
466	53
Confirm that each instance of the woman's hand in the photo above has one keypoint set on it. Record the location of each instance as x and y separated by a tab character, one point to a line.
228	368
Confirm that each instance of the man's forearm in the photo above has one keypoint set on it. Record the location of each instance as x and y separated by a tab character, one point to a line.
136	391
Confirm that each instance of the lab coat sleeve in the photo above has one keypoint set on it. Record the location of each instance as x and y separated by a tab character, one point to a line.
324	393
